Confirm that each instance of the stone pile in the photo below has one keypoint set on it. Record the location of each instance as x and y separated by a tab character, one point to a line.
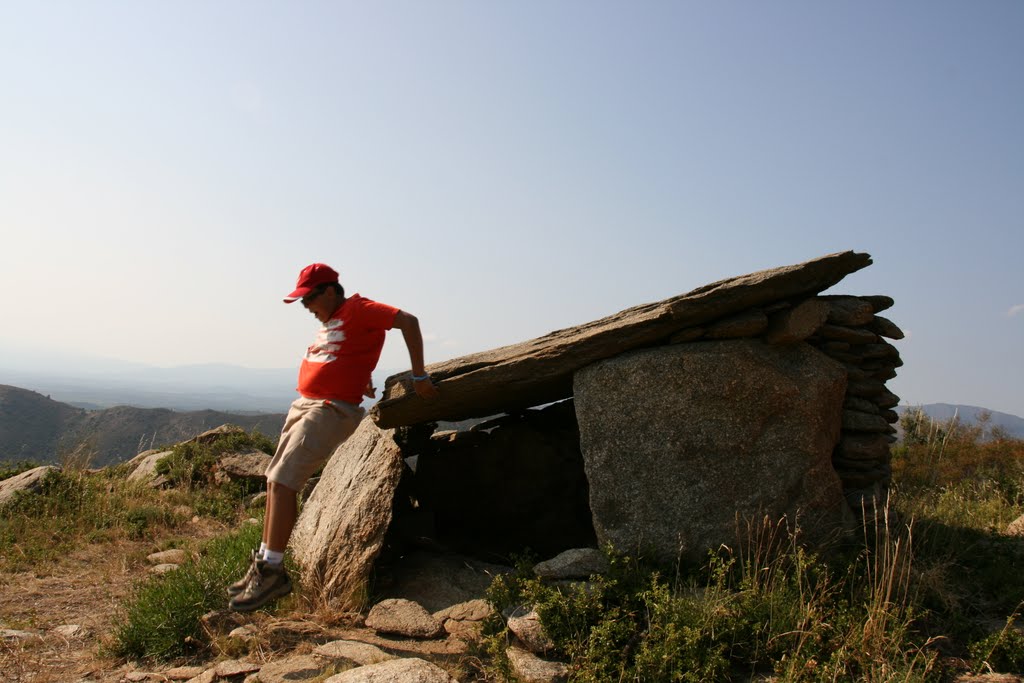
753	396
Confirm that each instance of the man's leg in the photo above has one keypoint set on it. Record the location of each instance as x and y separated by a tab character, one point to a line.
282	511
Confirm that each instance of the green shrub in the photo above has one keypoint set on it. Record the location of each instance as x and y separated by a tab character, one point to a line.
191	464
161	620
1002	651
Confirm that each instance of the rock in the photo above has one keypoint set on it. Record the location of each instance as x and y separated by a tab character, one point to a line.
14	635
886	399
541	370
183	673
137	677
848	310
353	651
172	556
407	670
856	421
465	620
1016	527
246	632
26	482
471	610
687	335
848	335
163	568
145	471
861	404
530	631
988	678
870	447
212	435
529	668
341	529
745	324
796	324
578	563
288	669
403	617
741	422
879	302
885	328
241	466
440	581
208	676
235	667
71	631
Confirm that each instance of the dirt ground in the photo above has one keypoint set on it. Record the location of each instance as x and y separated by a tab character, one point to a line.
87	588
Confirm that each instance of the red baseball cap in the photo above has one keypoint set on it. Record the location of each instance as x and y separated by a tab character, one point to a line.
310	278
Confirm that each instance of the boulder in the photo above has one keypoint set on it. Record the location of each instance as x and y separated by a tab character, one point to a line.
341	528
849	310
745	324
27	482
241	466
682	442
145	470
541	370
407	670
172	556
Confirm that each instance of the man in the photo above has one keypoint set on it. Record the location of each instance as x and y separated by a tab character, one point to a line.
333	378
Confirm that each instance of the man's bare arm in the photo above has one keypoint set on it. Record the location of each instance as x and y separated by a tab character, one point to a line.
410	327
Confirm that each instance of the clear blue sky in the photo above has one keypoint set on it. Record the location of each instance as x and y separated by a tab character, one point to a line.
505	169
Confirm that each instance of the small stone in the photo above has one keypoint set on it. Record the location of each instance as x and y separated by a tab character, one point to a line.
137	676
235	667
353	651
243	632
530	631
408	669
577	563
173	556
16	635
70	631
183	673
162	568
403	617
298	668
530	668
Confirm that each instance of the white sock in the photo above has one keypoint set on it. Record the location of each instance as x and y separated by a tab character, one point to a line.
273	557
262	551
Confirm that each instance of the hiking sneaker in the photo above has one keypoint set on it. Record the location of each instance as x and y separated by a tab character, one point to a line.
268	582
239	586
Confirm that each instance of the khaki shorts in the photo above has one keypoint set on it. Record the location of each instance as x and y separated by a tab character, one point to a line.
312	430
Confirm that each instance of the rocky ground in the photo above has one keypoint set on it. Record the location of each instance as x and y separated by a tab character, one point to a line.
54	625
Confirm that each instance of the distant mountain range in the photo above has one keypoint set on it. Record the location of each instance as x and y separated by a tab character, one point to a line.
38	428
968	415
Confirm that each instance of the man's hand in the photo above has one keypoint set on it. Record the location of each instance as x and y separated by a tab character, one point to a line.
425	388
370	391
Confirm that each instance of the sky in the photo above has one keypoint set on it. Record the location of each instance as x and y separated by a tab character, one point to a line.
504	169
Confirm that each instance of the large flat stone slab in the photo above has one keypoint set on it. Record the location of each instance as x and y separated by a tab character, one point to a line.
541	370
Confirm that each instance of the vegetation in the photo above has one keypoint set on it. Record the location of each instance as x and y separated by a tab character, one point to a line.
162	619
930	589
913	598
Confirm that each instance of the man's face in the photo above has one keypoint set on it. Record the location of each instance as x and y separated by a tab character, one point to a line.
321	303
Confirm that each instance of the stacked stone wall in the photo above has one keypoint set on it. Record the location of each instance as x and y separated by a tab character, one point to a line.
849	330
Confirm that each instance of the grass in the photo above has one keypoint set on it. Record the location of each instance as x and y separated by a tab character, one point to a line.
930	590
913	598
162	619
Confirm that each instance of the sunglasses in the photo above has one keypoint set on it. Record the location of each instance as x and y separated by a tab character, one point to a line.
308	299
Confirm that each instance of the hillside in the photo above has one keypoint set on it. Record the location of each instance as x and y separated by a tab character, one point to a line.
35	427
968	415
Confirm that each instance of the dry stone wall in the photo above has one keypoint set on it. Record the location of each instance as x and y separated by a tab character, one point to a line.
849	330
